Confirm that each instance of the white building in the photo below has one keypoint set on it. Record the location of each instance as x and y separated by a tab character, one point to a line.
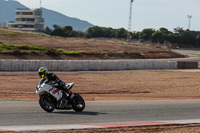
28	20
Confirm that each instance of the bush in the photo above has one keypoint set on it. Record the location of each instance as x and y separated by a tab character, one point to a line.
16	52
50	51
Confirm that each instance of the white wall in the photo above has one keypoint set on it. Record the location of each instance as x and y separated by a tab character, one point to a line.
85	65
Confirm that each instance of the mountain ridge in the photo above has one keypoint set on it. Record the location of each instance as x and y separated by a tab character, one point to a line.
7	13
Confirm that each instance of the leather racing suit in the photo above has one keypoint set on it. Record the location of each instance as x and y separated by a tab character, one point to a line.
53	79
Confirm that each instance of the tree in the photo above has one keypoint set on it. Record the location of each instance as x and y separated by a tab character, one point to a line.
68	30
188	37
58	31
164	30
107	32
135	35
198	40
173	38
48	31
178	30
182	37
157	37
94	32
146	34
120	33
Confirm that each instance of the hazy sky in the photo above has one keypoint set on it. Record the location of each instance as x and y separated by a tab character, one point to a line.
115	13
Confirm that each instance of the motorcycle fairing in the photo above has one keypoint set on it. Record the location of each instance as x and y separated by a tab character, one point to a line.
51	90
56	93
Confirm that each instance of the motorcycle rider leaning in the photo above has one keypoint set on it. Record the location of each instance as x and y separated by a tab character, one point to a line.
51	77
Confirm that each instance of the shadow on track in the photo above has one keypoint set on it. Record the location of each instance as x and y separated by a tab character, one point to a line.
79	113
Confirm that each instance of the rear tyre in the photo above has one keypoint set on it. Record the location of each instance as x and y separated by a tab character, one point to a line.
78	103
46	103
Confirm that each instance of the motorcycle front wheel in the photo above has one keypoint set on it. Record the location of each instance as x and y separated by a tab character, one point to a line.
78	103
46	103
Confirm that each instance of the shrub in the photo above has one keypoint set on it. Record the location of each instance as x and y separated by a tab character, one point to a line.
15	52
60	51
50	51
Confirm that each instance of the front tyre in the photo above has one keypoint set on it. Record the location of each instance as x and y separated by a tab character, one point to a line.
46	103
78	103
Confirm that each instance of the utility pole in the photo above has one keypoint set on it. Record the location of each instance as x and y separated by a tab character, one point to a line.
40	3
189	17
129	22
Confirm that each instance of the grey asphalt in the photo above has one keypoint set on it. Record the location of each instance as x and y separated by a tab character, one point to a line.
187	51
14	113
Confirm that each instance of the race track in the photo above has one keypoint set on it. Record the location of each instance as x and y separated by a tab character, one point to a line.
14	113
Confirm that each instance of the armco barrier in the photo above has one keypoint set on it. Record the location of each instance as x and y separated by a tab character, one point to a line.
187	64
85	65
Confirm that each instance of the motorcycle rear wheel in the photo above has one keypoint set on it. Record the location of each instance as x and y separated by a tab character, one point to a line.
46	104
78	103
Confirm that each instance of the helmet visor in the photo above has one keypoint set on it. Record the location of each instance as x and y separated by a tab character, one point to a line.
41	74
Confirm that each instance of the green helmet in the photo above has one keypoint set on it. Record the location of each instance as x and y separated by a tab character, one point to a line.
42	71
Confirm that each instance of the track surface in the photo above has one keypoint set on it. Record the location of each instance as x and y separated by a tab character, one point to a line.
14	113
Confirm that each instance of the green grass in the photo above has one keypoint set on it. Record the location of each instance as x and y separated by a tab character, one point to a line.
62	51
16	49
8	33
133	53
11	34
6	48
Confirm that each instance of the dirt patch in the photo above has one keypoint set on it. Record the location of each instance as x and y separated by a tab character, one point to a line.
110	85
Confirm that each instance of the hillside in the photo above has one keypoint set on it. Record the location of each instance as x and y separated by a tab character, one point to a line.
8	7
21	45
53	17
7	10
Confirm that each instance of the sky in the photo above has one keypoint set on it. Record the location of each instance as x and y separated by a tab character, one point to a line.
115	13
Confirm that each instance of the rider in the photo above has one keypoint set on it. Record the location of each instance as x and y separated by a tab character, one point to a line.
51	77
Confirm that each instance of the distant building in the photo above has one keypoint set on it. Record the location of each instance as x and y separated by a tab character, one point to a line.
27	20
2	25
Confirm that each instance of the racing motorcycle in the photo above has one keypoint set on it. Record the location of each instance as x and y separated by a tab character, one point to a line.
51	98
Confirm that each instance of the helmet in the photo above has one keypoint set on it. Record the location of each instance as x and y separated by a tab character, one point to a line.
42	71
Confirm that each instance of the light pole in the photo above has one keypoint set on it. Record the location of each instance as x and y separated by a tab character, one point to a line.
129	22
189	17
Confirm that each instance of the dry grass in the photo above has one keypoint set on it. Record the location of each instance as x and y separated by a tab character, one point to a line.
98	49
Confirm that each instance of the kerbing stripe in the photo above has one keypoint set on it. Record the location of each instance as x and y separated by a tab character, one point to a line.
133	124
4	130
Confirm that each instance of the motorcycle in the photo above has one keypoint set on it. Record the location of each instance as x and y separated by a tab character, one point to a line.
51	98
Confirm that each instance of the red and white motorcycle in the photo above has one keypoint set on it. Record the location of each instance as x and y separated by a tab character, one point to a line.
51	98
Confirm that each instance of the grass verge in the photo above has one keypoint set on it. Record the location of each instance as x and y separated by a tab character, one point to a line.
17	49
